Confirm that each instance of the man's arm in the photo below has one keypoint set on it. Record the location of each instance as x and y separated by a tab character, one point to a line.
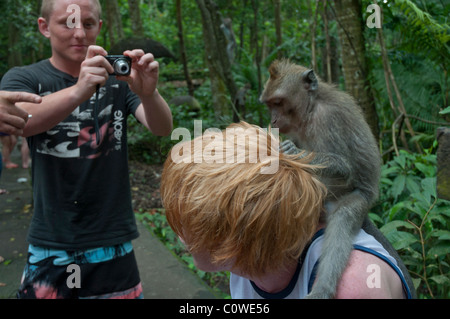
57	106
53	109
369	277
154	112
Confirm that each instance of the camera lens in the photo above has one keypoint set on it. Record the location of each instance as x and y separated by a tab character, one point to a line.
121	67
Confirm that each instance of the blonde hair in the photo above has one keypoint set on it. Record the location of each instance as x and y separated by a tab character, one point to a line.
260	222
48	5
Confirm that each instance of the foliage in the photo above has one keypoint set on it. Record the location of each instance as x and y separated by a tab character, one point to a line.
422	86
430	36
416	222
420	66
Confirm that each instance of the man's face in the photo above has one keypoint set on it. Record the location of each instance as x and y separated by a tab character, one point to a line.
68	41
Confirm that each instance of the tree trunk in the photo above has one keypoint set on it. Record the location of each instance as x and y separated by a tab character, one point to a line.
254	46
183	49
328	44
330	69
14	56
14	35
313	35
349	18
217	59
135	18
241	30
443	163
115	27
277	5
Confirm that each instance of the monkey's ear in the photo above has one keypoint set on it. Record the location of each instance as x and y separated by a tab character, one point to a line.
310	81
274	70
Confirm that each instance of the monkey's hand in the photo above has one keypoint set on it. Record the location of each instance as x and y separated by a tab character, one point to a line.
288	147
335	171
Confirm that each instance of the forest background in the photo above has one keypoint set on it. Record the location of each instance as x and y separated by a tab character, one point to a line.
214	59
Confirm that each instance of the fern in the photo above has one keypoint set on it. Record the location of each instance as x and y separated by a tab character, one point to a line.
428	34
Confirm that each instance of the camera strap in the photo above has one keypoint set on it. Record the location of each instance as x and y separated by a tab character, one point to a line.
96	108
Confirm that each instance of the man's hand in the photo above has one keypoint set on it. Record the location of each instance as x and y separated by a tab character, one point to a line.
12	118
95	70
143	79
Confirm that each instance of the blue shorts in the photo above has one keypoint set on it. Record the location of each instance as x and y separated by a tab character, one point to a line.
100	273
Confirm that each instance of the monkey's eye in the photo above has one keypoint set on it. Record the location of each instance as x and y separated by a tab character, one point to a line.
276	102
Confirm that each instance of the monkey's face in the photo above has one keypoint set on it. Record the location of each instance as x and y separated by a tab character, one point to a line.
281	95
282	115
288	94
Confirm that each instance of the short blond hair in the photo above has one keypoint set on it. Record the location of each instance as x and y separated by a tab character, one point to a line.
260	222
48	5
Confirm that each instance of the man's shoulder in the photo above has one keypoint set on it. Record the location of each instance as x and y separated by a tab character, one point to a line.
35	70
368	277
42	66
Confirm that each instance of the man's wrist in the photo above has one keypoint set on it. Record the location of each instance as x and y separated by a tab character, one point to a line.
150	98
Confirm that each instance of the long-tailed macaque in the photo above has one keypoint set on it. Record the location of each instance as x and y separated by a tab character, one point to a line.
321	119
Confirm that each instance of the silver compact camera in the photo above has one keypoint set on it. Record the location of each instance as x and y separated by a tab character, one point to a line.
120	63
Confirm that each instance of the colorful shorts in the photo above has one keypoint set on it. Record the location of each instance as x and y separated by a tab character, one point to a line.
100	273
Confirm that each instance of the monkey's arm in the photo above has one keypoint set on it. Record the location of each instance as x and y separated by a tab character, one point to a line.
336	169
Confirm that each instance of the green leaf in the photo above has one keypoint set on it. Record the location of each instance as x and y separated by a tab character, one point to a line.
427	170
375	218
445	111
429	187
386	181
398	186
401	239
442	234
395	209
401	160
440	279
444	210
438	250
421	206
394	225
416	281
391	170
412	185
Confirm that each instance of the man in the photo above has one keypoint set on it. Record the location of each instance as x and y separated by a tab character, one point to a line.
78	142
